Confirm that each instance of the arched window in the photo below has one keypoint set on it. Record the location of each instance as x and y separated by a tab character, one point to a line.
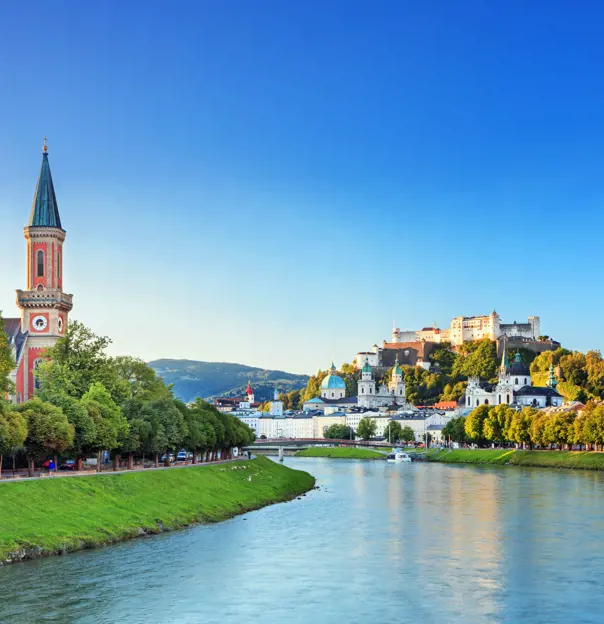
499	399
370	390
516	382
508	399
525	381
477	402
59	264
486	401
40	263
332	395
362	390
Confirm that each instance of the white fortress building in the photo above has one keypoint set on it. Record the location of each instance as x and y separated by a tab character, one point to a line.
469	328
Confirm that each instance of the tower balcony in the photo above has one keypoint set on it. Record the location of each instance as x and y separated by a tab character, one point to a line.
46	298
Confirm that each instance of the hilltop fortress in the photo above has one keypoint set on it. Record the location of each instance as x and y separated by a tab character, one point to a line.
470	328
413	348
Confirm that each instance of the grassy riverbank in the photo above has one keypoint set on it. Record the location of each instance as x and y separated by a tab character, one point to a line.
543	459
341	452
52	516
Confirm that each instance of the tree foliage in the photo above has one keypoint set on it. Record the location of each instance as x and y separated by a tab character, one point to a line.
367	428
339	432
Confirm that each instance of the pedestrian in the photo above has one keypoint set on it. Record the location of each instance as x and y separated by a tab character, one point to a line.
51	467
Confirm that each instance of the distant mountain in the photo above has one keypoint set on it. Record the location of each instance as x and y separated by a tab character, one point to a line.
192	379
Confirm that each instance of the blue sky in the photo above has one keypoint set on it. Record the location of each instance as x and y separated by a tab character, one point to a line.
274	182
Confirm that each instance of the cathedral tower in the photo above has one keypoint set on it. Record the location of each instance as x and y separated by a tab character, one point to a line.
44	306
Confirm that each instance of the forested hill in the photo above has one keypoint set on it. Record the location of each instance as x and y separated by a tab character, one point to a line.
207	380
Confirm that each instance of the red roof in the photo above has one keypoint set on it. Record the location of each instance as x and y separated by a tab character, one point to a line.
249	388
446	405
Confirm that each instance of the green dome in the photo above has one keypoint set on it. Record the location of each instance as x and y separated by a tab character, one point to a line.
367	367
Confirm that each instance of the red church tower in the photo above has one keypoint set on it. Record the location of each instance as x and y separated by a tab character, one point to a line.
44	306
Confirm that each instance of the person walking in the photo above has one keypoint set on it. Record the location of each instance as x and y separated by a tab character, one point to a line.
51	467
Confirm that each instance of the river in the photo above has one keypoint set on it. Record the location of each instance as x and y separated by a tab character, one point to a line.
377	542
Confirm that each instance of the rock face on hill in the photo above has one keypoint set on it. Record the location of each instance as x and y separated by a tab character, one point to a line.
192	379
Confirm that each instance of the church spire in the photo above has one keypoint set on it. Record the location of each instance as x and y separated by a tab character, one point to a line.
552	382
45	210
503	369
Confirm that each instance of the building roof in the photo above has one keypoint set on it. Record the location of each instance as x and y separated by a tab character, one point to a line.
537	391
434	427
45	210
445	405
315	400
333	382
16	338
518	367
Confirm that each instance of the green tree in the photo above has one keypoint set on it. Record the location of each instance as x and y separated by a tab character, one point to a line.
48	430
339	432
497	423
519	430
476	359
393	431
444	358
111	427
6	361
367	428
407	434
559	429
13	430
143	382
474	425
455	430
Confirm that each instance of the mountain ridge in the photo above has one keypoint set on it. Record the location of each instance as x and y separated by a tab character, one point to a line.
199	378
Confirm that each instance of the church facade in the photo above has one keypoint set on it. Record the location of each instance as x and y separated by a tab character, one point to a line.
514	387
44	305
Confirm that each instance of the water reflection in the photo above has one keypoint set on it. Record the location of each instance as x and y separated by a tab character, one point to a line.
377	542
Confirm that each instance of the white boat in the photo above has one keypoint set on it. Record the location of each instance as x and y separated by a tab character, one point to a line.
398	457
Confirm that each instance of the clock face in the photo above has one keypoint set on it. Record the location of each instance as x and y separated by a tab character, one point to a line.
60	324
39	323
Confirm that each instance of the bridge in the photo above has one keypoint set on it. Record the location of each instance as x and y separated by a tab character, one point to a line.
291	446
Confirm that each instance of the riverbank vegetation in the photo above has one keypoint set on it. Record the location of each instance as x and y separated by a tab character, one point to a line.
52	516
529	428
341	452
512	457
87	403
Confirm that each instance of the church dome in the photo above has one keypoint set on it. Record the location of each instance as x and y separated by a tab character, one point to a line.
367	367
332	381
519	367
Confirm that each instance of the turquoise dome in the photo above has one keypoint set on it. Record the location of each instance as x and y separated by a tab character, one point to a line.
333	382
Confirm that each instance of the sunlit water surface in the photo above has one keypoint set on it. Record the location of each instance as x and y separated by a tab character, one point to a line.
377	543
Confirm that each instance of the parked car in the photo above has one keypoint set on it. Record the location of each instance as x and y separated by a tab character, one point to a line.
182	456
163	457
69	464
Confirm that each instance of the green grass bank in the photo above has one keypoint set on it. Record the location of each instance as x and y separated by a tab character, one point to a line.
341	452
543	459
54	516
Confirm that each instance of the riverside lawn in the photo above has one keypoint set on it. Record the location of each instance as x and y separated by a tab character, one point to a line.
586	460
53	516
341	452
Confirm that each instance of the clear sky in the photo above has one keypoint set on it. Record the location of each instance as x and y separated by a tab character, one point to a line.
273	182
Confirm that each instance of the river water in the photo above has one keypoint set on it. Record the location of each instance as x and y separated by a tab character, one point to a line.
377	542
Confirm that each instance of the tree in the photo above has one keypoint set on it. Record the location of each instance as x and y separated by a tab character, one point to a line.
6	362
519	430
339	432
455	430
407	434
497	423
476	359
111	427
13	430
444	358
142	380
474	425
367	428
48	430
559	429
393	431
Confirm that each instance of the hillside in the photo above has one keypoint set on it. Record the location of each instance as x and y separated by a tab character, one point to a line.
207	380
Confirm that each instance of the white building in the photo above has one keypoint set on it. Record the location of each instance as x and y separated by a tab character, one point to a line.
369	396
285	426
250	418
513	388
421	422
469	328
276	405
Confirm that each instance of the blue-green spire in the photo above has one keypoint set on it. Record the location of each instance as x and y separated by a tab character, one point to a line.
552	382
45	210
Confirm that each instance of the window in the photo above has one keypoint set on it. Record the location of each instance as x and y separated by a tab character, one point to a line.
525	381
486	401
477	402
516	382
499	399
40	271
362	390
59	264
508	401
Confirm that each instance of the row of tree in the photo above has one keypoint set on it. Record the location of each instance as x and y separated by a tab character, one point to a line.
503	425
88	402
367	429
